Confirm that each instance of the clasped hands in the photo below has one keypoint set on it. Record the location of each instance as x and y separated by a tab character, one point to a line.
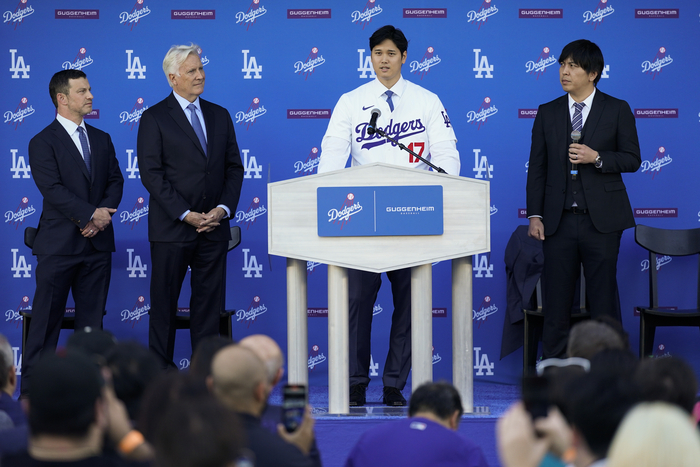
581	154
205	222
100	220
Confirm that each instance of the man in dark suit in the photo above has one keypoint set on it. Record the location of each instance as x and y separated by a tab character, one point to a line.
191	166
76	170
576	199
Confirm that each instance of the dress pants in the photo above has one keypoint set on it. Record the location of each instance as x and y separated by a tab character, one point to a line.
577	241
363	288
207	260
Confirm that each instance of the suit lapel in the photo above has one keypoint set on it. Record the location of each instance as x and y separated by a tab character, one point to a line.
180	118
65	139
593	117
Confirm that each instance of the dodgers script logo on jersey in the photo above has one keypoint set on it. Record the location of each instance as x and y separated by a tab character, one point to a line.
481	16
17	17
134	216
479	117
23	110
429	60
81	60
539	66
254	111
133	17
596	16
14	315
138	311
398	130
248	217
653	67
255	309
134	116
249	17
365	16
20	213
349	208
308	66
654	166
310	165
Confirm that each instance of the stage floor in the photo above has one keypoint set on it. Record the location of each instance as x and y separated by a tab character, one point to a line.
337	434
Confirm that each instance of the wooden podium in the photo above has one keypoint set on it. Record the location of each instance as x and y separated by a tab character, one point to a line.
293	233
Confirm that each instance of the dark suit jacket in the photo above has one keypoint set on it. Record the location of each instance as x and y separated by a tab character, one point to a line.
179	176
70	194
610	129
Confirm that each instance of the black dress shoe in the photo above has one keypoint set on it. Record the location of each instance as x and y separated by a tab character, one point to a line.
393	397
358	395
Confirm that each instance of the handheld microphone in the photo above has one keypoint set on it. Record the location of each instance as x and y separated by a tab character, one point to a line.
373	121
575	137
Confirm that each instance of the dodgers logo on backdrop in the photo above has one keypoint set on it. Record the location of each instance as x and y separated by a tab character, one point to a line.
310	266
480	17
308	66
653	67
19	164
436	357
255	210
486	309
660	261
135	265
596	16
250	65
254	111
429	60
17	17
480	115
250	164
660	160
250	265
397	130
134	66
14	315
132	117
539	66
133	217
20	213
134	16
255	309
315	357
365	16
481	65
20	268
481	363
202	57
17	65
377	309
23	110
493	210
310	165
349	208
661	351
255	10
366	69
138	311
482	169
81	60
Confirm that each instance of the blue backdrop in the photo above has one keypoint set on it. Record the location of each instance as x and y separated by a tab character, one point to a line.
279	68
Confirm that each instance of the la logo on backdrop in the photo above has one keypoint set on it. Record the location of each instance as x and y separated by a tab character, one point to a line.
23	110
21	212
17	16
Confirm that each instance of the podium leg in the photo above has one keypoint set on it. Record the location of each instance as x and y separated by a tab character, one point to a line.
462	316
297	327
421	324
338	341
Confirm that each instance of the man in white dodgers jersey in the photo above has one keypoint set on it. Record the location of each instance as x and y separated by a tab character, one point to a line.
415	117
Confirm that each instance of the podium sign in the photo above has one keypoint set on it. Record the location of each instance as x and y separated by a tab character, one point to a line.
362	211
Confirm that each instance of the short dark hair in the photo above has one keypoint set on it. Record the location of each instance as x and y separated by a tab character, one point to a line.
590	337
133	367
585	54
667	379
60	83
441	399
389	32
